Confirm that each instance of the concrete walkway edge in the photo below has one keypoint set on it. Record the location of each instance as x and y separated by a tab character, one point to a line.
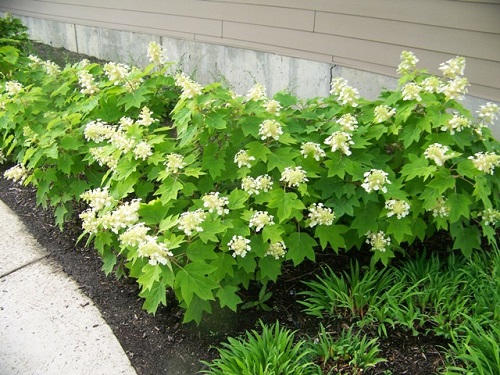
47	325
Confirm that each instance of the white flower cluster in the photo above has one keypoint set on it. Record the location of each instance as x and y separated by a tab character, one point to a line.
190	88
145	117
51	68
134	235
243	159
437	153
453	67
122	217
174	163
320	215
97	198
270	129
272	107
488	112
490	216
98	131
257	92
240	246
293	177
455	89
191	221
17	173
157	54
314	149
276	250
214	203
456	124
485	162
408	62
35	60
378	241
441	208
147	246
453	70
431	84
157	252
13	88
348	122
340	141
383	113
411	91
104	157
256	185
126	123
87	82
346	94
260	219
375	179
142	150
117	73
397	207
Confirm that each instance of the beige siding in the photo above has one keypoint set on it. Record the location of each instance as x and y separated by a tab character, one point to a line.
362	34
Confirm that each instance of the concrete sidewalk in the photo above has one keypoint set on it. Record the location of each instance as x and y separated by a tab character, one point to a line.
47	326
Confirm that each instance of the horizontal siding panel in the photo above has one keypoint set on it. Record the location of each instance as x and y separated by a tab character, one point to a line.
90	16
289	18
266	48
347	48
458	42
453	14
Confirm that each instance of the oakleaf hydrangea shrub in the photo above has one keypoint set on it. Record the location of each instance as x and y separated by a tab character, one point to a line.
45	115
199	190
249	182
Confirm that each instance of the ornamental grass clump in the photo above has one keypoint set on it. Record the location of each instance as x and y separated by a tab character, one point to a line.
230	187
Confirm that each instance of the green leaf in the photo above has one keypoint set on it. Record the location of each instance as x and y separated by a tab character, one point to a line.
223	265
216	120
281	158
193	279
272	233
366	218
442	181
108	262
270	268
399	228
331	234
154	297
466	239
212	228
213	161
70	142
150	275
237	199
285	99
418	167
169	190
153	212
288	205
200	251
194	311
258	150
228	296
411	133
459	206
300	246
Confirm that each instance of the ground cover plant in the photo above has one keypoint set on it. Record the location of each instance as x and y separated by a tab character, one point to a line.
202	192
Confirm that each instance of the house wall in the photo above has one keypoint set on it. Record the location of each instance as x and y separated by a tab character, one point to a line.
294	44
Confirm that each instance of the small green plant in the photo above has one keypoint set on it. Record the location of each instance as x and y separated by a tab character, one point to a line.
270	352
478	351
350	295
347	353
260	303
